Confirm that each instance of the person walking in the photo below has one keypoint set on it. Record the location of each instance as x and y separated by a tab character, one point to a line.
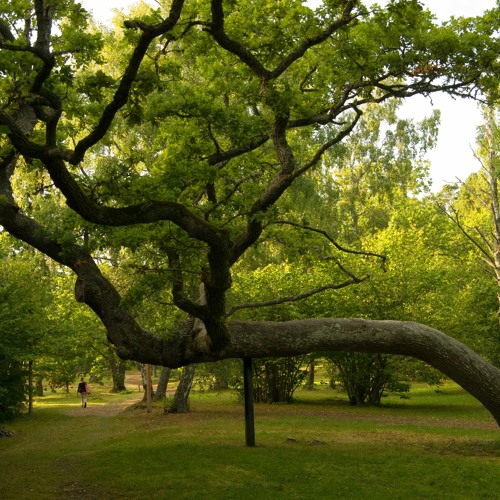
83	390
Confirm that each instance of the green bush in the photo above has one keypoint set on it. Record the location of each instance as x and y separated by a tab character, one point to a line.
367	377
275	380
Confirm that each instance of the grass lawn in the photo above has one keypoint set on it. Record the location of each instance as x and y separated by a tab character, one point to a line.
433	445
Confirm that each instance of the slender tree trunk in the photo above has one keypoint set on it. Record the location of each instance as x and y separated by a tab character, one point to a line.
352	196
145	382
117	368
180	404
119	384
310	376
494	205
39	386
30	387
161	388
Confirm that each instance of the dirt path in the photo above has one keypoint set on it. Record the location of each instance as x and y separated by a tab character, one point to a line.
103	409
110	408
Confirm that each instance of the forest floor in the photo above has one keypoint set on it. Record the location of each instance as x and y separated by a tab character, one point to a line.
318	446
110	407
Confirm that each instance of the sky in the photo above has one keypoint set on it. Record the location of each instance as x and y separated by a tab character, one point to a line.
453	158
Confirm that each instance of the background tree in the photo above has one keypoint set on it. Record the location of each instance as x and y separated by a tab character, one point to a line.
474	206
162	387
24	325
382	164
183	134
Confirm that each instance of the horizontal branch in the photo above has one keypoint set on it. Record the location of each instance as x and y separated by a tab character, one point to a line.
264	339
142	213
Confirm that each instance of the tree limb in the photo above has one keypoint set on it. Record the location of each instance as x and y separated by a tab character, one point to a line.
296	298
217	31
258	339
333	242
122	92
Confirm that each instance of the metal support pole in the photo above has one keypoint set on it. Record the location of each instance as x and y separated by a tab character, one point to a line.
249	415
30	387
148	389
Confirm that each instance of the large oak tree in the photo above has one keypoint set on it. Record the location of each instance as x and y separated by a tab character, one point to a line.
181	135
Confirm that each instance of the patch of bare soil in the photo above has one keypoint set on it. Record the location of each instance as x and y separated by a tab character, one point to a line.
402	420
342	414
99	409
132	382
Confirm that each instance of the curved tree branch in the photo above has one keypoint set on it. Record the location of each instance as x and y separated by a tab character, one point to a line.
91	286
296	298
332	241
217	30
282	181
291	338
121	95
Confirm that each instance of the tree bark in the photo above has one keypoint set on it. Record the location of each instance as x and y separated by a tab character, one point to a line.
310	376
30	387
117	367
180	404
274	339
145	382
39	386
161	388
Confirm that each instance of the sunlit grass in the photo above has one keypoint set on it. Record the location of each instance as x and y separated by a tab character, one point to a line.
432	445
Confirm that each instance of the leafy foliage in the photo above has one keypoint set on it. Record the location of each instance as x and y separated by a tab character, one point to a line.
366	378
275	380
12	388
165	186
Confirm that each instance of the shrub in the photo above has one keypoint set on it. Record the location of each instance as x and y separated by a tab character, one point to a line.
367	377
275	380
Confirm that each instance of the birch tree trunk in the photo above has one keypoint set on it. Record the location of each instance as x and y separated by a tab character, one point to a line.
180	404
161	388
